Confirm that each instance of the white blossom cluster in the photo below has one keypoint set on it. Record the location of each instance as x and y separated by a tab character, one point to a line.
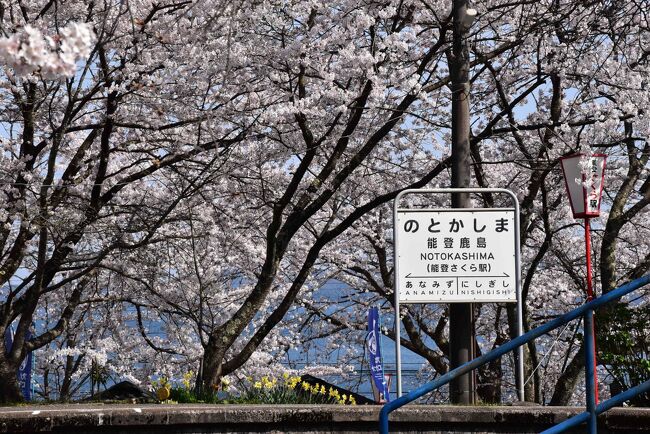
29	51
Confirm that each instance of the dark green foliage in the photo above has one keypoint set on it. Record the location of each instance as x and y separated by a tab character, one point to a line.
624	346
187	396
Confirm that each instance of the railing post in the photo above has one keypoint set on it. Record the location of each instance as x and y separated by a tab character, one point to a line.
383	420
590	382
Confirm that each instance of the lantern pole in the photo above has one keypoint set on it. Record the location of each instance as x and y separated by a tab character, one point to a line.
590	296
585	203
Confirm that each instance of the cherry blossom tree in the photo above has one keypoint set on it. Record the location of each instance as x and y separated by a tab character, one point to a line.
565	84
99	100
212	164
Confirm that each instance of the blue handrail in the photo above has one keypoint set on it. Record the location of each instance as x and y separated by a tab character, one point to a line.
601	408
585	310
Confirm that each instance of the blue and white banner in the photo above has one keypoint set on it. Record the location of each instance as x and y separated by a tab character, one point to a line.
373	343
25	369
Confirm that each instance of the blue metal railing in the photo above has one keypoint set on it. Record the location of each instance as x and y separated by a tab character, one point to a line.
601	408
585	310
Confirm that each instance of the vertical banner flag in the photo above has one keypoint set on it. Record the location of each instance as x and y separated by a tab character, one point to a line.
373	343
25	369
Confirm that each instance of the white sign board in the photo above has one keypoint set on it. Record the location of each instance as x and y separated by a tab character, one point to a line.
457	255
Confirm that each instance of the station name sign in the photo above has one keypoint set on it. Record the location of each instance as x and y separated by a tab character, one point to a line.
456	255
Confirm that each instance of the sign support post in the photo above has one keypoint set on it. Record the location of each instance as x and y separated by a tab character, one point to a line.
443	273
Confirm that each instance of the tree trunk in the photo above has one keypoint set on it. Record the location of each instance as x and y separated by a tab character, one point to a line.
489	382
568	380
46	384
64	394
530	391
529	388
9	391
534	390
212	368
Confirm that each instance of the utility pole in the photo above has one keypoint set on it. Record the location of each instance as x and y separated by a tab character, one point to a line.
461	315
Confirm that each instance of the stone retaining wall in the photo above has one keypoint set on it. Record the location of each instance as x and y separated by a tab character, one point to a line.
185	418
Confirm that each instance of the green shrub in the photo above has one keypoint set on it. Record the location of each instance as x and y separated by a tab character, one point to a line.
624	347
